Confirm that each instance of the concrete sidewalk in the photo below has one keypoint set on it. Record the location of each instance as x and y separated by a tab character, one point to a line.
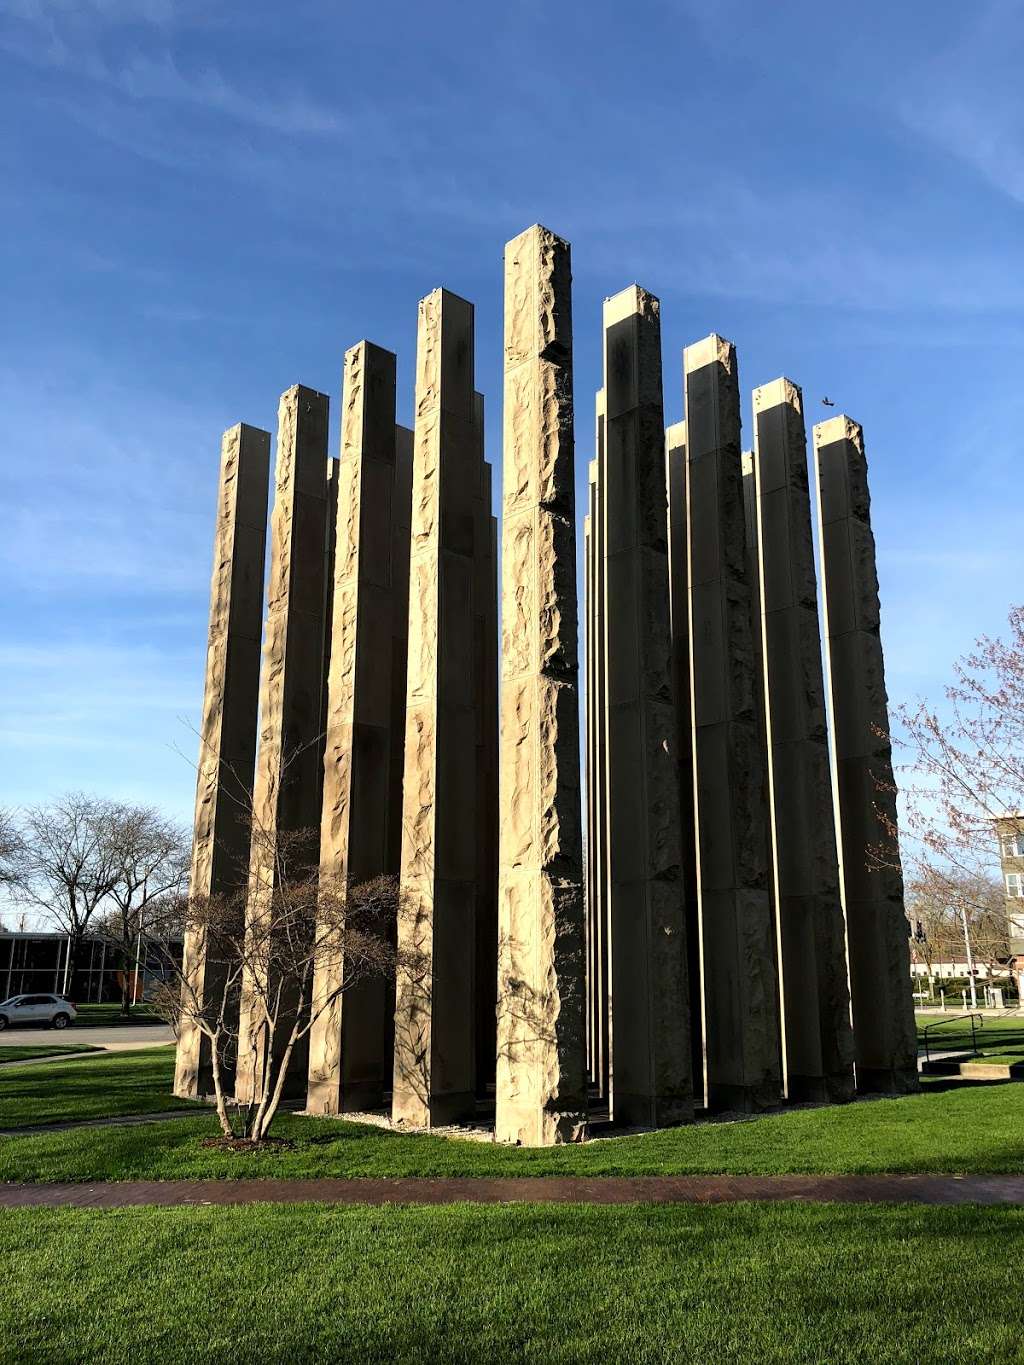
695	1189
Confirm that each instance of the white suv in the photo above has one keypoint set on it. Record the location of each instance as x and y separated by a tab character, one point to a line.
52	1011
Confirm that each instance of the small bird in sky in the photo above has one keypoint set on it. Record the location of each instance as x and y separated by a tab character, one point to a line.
827	403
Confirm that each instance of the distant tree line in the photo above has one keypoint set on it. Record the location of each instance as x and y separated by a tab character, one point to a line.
90	866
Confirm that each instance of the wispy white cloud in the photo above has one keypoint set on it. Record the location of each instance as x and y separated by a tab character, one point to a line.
67	38
966	100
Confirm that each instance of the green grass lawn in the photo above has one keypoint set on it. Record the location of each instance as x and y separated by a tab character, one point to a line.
110	1016
995	1037
777	1283
964	1129
23	1054
136	1082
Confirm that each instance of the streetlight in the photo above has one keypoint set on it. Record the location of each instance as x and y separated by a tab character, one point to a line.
970	959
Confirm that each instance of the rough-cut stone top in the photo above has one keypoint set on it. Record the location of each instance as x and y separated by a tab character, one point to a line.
840	428
712	348
842	478
675	435
445	326
628	301
777	392
369	402
538	298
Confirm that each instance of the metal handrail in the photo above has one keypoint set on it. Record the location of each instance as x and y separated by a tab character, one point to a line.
957	1018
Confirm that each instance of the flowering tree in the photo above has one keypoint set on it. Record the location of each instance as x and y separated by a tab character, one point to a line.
967	778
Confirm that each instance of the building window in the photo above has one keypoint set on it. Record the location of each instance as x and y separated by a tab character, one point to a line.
1012	845
1015	885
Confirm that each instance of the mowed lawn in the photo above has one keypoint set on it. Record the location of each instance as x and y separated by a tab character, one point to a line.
27	1052
1003	1037
109	1016
137	1082
780	1283
945	1128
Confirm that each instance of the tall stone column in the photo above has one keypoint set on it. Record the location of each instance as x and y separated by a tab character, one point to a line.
435	1015
227	744
592	635
598	707
679	605
863	788
486	646
541	1082
590	777
811	948
360	833
740	1002
286	795
651	1077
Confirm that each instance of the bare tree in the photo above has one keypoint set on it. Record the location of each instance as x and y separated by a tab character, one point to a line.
967	761
151	860
11	847
67	864
939	903
306	941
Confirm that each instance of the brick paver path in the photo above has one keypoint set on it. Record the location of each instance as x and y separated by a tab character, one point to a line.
683	1189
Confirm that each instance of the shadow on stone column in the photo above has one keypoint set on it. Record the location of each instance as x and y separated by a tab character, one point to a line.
817	1039
650	1064
864	791
742	1056
679	602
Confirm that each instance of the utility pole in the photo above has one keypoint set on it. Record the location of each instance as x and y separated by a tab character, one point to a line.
970	959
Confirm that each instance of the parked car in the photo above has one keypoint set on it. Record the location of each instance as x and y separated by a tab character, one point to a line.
49	1011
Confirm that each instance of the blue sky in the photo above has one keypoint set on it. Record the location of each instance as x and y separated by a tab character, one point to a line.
207	203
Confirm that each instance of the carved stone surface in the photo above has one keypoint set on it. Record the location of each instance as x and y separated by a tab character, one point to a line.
541	1084
810	931
864	793
590	778
227	744
651	1073
360	834
436	1020
486	676
286	795
678	540
597	709
740	996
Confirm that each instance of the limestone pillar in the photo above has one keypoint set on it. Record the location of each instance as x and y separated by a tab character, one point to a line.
865	802
486	656
541	1082
286	796
598	707
675	472
595	812
360	833
590	808
227	745
435	1016
740	1003
651	1076
810	936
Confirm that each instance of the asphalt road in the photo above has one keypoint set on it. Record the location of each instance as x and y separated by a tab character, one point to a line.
120	1036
